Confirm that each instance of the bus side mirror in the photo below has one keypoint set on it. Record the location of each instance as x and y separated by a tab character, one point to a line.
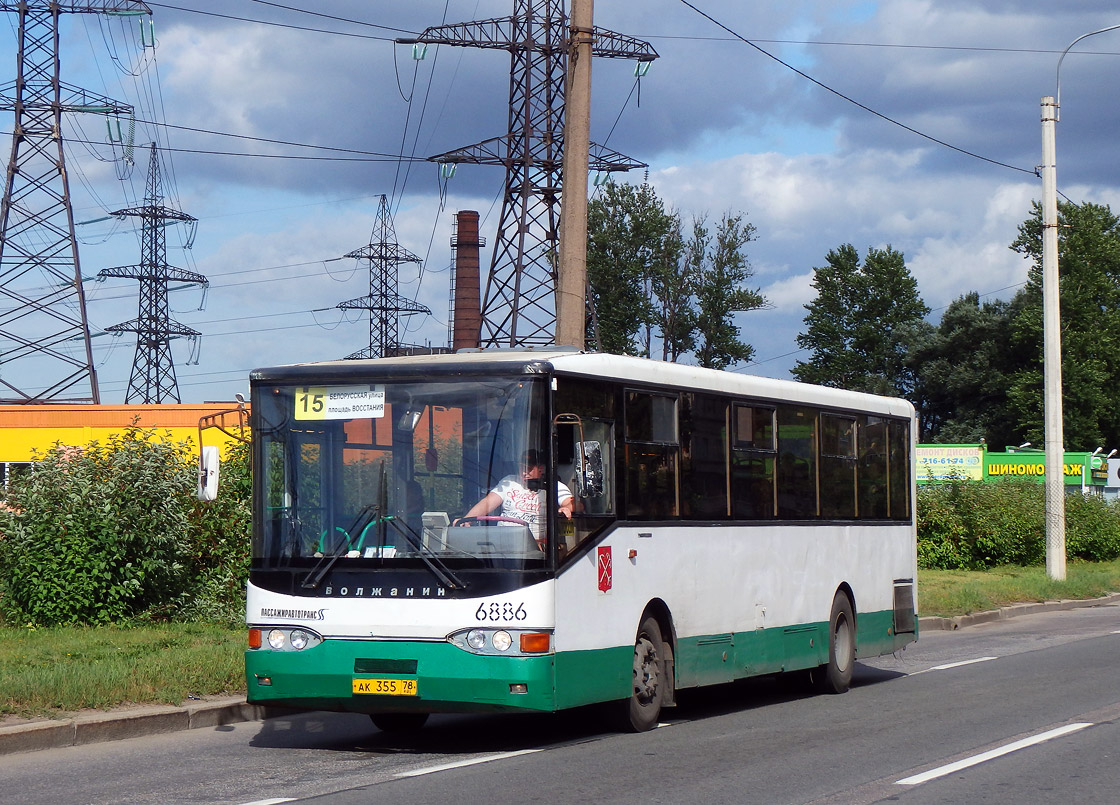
208	462
589	469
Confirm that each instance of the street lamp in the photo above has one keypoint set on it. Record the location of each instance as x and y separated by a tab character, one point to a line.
1051	332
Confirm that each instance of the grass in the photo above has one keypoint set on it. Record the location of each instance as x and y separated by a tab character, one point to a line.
960	592
52	672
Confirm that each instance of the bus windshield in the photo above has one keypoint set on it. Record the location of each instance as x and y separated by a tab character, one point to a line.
381	474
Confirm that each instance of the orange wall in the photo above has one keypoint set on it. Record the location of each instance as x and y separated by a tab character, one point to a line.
25	429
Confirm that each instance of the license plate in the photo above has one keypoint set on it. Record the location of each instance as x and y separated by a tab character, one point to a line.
386	687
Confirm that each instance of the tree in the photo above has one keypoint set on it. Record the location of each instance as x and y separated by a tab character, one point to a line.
1089	269
963	369
630	233
719	273
672	287
863	323
649	285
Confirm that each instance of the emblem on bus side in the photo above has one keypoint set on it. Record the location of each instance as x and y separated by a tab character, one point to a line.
606	570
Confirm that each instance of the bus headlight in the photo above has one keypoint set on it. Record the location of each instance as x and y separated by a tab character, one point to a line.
284	638
476	639
501	640
299	639
515	642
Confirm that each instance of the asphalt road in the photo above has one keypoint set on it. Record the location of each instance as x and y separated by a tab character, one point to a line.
1024	710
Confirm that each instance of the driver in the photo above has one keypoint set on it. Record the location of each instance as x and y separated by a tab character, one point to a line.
520	496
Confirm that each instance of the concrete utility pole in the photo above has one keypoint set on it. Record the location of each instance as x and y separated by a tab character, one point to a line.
571	303
1052	352
1052	330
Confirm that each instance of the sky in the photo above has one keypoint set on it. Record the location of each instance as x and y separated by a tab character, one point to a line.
909	123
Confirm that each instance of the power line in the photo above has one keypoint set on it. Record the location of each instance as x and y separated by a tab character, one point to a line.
853	101
375	157
332	17
827	43
285	25
271	141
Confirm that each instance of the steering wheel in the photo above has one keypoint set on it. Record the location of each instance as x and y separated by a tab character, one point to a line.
467	522
339	529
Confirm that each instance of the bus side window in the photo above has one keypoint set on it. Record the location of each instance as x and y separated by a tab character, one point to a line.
899	468
652	451
703	457
873	468
797	471
838	466
753	462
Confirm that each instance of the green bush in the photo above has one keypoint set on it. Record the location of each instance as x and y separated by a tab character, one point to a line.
112	532
221	531
968	525
1009	523
1092	529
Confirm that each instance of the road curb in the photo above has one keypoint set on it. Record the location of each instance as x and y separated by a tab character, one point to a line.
988	616
157	720
132	723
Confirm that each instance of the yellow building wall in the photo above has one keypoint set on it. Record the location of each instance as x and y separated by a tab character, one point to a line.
27	429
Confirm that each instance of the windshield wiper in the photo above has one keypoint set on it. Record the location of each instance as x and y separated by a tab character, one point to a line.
364	518
441	571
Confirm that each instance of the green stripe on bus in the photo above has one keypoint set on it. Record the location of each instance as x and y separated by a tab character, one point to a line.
452	680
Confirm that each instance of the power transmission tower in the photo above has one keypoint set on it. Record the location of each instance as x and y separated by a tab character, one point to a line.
519	307
153	370
42	305
384	303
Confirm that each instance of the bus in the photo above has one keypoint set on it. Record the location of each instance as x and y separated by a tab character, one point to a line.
692	527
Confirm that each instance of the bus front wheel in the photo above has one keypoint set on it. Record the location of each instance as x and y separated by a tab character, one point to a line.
835	676
399	722
643	710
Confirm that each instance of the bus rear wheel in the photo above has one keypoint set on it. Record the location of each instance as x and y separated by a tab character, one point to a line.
835	676
398	722
643	710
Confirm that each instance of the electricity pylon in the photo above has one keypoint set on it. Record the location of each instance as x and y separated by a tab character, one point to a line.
384	303
519	307
43	326
153	370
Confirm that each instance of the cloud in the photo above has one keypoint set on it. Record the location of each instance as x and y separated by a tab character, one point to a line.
724	128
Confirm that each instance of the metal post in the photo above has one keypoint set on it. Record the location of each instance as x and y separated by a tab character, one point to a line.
1052	352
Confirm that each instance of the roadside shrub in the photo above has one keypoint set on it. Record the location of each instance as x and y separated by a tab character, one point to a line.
97	534
1092	528
1009	523
112	532
221	530
968	525
943	534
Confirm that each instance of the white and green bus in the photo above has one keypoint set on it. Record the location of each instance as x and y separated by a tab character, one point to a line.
723	526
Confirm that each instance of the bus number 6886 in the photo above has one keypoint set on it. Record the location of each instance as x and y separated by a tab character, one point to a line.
500	611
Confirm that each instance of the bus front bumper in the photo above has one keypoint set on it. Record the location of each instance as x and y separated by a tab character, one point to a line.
368	676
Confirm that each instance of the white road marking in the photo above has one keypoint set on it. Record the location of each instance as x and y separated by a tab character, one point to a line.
983	757
461	763
949	665
275	801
